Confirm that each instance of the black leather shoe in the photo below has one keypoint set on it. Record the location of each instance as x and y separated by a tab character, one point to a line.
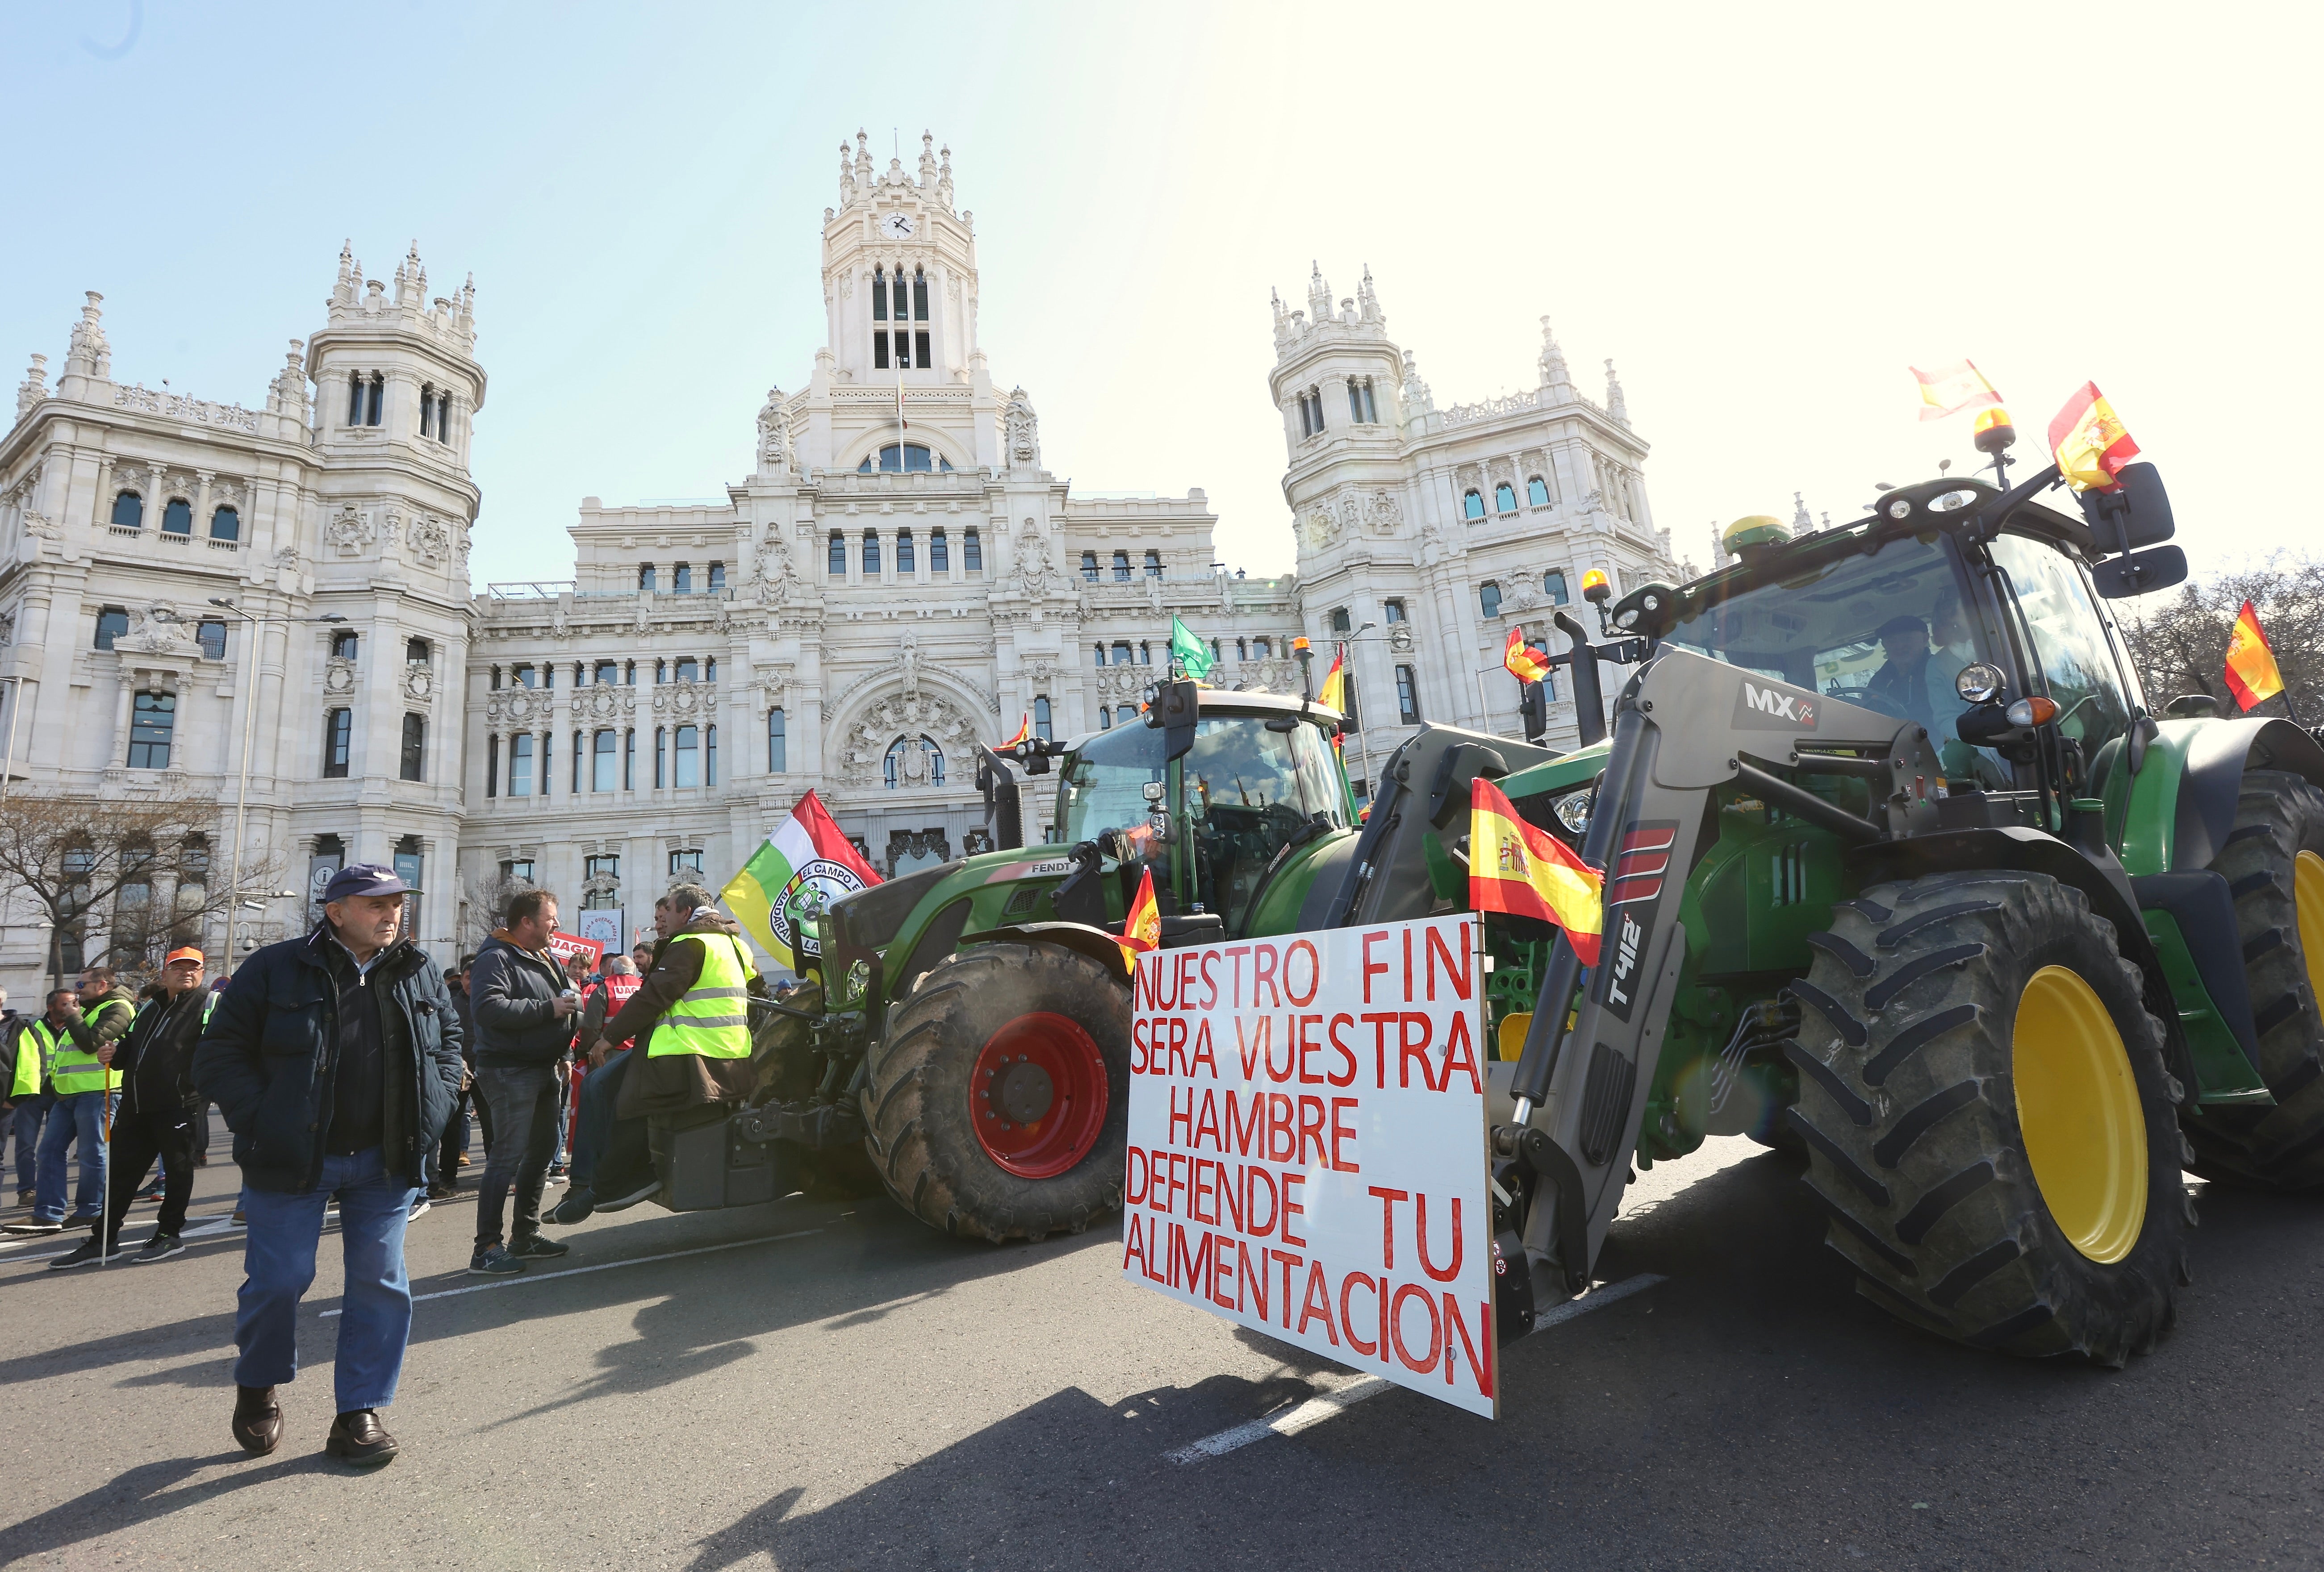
359	1438
257	1419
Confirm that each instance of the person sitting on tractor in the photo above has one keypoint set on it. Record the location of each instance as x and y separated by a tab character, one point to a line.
1901	679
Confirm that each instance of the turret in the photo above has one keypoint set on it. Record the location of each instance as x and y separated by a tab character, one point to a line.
1336	374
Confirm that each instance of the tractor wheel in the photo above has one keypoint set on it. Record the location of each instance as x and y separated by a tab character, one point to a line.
1989	1118
2274	861
998	1103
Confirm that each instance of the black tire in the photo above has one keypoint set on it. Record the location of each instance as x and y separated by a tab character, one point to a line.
1909	1103
2279	830
921	1108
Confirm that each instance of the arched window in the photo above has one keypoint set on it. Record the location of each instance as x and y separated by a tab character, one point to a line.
681	579
1339	621
1242	650
426	409
210	634
687	757
907	557
646	577
913	761
178	517
777	741
356	386
151	720
893	301
128	510
939	552
710	755
1153	564
338	749
375	395
1125	714
1311	412
871	553
1099	651
1537	492
1392	612
689	670
1553	585
662	735
414	755
1504	498
602	761
1408	696
1262	648
344	646
710	669
838	567
226	524
1121	566
661	672
606	673
1089	566
1041	728
972	552
907	458
1145	653
1489	599
717	577
1472	505
1104	718
112	622
1121	652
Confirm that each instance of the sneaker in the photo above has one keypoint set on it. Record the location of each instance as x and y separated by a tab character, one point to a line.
32	1227
419	1210
644	1191
83	1254
556	1170
440	1191
238	1217
493	1260
27	1197
533	1247
161	1247
575	1208
154	1194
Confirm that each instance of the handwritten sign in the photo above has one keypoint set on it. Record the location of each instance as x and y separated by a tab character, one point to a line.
1307	1147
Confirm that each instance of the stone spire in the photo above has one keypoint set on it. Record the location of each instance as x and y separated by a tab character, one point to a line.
943	179
1617	408
1417	400
1801	523
846	175
1556	380
350	283
1319	296
411	280
33	388
1283	334
88	355
863	159
287	395
928	170
1368	305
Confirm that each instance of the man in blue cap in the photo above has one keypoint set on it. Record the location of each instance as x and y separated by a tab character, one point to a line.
334	1058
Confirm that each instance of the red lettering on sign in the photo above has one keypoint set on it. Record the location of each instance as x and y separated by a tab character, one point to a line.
1308	1043
1347	1317
1316	1305
1210	982
1177	1118
1253	1178
1409	1050
1134	1248
1288	1261
1203	1054
1263	974
1208	1120
1461	1054
1256	1280
1310	1128
1290	1052
1241	1134
1420	1232
1134	1175
1372	969
1315	973
1409	1291
1221	1268
1340	1135
1456	971
1387	1201
1292	1208
1379	1021
1282	1135
1347	1055
1407	965
1481	1368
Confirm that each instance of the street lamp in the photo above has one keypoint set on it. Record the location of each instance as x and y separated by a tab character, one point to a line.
249	719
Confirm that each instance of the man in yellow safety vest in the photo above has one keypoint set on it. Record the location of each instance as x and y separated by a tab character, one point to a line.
26	1048
86	1089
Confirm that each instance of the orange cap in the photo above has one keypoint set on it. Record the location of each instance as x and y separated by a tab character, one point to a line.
187	954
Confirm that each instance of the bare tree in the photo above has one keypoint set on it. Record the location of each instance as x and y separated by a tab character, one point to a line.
140	872
2181	644
483	907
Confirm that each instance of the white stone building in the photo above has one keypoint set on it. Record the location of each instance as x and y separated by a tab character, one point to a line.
899	576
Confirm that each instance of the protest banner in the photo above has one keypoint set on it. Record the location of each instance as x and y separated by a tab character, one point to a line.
1307	1147
565	945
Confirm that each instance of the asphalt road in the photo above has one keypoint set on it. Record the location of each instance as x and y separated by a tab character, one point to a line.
827	1385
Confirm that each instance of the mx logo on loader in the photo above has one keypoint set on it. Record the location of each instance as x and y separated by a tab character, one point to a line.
1770	707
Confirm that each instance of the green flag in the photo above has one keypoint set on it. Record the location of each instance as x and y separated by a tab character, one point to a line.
1193	656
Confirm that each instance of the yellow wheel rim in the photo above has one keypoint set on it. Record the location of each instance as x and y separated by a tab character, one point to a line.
2078	1109
2307	897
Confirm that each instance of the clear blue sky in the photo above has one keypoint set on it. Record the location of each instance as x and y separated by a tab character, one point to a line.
1763	214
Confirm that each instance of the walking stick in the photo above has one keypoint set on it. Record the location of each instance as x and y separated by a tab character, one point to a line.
105	1173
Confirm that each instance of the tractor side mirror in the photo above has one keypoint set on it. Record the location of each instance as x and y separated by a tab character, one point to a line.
2140	573
1179	708
2139	514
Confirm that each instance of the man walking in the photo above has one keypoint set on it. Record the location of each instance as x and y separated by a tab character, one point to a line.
156	1117
454	1149
27	1045
524	1011
334	1060
85	1093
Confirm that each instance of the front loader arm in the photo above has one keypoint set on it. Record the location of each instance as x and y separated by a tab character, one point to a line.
1684	726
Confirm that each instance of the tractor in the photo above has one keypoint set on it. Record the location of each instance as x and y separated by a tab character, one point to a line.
1902	875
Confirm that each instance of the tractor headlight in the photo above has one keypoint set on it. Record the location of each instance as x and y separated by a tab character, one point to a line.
859	977
1979	682
1573	809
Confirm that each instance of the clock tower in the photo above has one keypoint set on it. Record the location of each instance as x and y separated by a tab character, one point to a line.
900	273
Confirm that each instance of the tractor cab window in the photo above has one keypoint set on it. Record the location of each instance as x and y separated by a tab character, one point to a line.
1104	786
2070	642
1248	791
1887	632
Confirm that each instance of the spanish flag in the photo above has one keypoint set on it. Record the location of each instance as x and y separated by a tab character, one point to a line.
1519	656
1024	732
1526	871
2252	675
1141	925
2089	442
1333	694
1950	389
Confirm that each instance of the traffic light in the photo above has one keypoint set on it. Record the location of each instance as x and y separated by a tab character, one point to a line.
1534	706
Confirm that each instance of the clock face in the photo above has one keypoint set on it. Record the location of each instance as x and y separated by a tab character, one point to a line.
897	226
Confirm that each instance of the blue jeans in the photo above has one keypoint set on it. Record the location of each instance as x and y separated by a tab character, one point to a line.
609	1155
28	1113
278	1264
79	1117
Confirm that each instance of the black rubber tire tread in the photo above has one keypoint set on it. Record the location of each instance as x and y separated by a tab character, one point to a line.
2278	816
1952	1235
917	1101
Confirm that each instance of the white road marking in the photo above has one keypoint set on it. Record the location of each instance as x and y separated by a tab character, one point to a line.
1324	1405
80	1231
519	1281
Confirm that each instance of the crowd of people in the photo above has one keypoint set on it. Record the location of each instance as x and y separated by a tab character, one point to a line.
351	1071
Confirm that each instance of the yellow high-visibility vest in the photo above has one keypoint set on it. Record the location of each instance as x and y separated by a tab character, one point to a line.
34	1052
75	1068
712	1019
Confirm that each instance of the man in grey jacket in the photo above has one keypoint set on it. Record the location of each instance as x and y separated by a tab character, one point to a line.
526	1011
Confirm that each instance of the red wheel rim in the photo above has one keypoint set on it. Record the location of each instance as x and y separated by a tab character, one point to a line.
1037	1096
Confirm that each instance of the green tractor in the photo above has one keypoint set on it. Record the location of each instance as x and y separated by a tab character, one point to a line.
1902	874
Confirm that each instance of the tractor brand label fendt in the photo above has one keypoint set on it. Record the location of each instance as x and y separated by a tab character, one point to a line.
1307	1146
1765	706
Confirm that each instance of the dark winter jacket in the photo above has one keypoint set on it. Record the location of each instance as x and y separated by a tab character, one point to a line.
270	1058
156	1059
512	993
673	1083
116	1012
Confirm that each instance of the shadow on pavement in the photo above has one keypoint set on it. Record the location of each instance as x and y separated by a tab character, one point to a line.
150	1491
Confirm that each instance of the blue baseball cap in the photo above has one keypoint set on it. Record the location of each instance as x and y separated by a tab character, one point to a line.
364	879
